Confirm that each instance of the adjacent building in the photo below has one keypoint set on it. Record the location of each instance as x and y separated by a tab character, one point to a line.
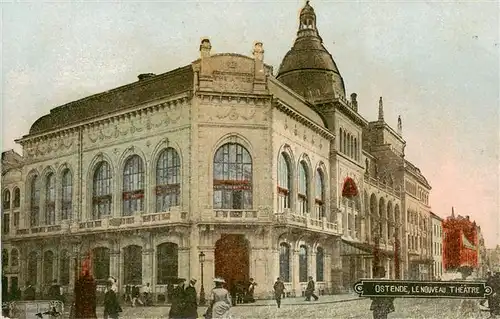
264	175
437	246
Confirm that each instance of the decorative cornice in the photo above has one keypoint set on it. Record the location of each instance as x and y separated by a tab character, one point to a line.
220	97
150	106
283	107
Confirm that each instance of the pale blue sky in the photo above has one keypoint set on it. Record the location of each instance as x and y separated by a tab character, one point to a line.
435	63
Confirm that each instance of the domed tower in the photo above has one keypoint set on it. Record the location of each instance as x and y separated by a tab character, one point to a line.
308	68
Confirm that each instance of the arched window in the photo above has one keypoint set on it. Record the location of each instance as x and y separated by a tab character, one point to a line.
17	198
132	257
345	142
167	259
5	258
232	177
319	198
133	186
303	264
14	257
67	194
6	199
284	182
356	149
320	264
32	268
48	267
341	141
100	263
285	262
102	191
64	267
35	201
168	182
50	199
303	193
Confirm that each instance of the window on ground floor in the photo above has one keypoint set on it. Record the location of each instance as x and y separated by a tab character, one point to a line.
285	262
167	262
100	263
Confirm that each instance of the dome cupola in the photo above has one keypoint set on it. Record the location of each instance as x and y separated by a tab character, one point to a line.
308	68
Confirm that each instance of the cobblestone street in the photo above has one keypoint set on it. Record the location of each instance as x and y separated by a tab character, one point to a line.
295	308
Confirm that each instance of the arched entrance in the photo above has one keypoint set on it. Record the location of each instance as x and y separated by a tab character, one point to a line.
232	258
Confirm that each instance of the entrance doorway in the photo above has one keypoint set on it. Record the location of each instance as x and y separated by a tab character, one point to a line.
232	258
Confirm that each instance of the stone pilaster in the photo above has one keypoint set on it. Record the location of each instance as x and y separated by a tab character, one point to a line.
184	263
295	272
147	266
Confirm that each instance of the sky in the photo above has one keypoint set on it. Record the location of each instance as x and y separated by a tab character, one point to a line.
434	63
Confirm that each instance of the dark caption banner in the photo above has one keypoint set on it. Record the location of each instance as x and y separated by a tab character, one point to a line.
422	289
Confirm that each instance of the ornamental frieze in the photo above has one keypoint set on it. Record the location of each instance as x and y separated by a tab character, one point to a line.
54	146
132	124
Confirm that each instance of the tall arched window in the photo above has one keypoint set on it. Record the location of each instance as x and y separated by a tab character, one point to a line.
319	200
303	263
100	263
132	257
102	191
284	182
341	140
32	268
35	201
232	177
167	260
133	186
285	262
303	193
345	142
320	264
50	199
6	199
14	257
356	149
67	194
48	267
168	182
17	198
5	258
64	267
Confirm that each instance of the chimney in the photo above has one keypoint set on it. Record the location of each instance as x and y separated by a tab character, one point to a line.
205	48
145	76
400	126
354	102
205	75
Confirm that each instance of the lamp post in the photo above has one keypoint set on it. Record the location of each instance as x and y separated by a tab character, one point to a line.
201	256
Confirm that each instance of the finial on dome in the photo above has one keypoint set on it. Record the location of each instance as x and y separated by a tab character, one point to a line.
400	126
380	110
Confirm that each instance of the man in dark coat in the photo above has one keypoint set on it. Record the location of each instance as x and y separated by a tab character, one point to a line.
112	307
381	306
190	301
279	288
178	298
55	291
310	290
29	293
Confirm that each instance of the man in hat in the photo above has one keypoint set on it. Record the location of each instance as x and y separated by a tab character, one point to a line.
310	290
190	301
279	288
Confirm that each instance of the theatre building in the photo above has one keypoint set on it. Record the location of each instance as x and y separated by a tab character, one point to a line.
267	174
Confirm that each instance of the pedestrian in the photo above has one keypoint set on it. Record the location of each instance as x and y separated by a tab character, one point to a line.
233	289
249	296
55	291
381	306
29	293
310	290
136	296
128	294
147	294
85	296
220	301
178	299
279	288
112	307
190	301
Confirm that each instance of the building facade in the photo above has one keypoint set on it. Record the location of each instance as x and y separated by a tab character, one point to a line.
265	175
437	246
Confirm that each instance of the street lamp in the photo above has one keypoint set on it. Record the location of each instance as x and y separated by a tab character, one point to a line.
201	256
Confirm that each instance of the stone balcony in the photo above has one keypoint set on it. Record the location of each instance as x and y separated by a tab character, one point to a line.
307	222
382	186
137	220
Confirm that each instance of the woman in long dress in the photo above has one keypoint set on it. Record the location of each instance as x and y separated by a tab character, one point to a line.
220	301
